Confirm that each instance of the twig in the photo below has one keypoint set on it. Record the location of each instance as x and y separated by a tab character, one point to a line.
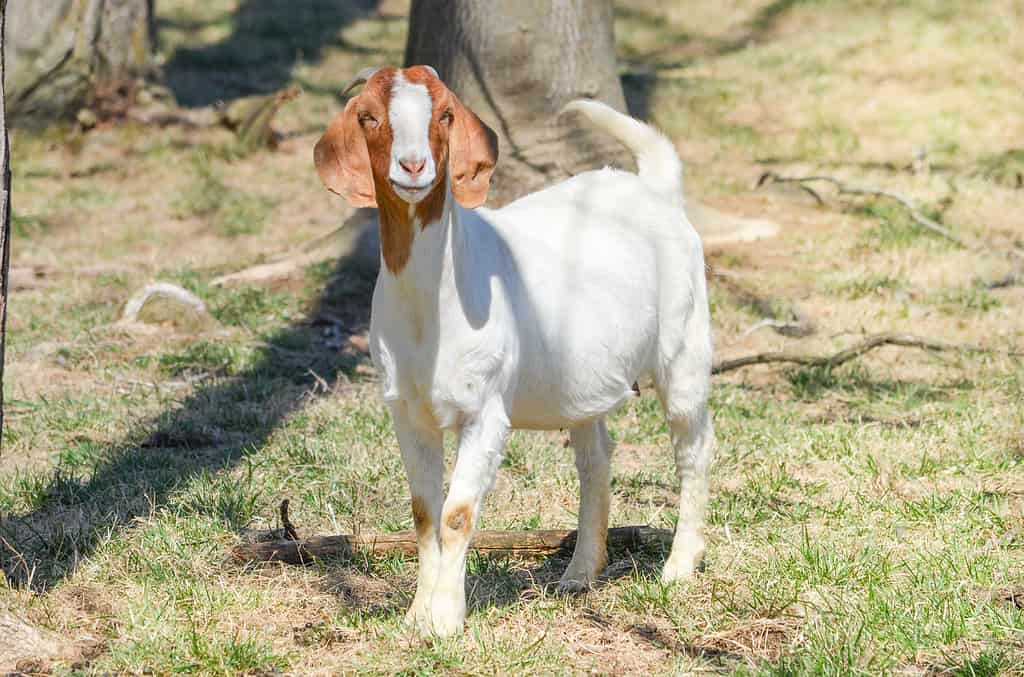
289	529
846	189
779	314
867	344
321	382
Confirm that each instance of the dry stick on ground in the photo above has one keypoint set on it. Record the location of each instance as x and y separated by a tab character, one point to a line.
846	189
920	219
520	543
786	318
867	344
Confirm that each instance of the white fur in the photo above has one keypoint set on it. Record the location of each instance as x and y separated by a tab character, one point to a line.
409	114
542	315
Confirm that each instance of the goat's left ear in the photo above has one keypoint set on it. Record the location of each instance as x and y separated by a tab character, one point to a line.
472	156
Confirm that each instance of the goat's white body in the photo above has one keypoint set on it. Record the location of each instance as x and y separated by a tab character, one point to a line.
550	304
543	315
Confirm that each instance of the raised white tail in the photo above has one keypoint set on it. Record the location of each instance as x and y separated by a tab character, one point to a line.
656	158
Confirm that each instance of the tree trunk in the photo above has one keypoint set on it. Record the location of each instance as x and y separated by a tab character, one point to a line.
516	68
62	52
516	64
5	213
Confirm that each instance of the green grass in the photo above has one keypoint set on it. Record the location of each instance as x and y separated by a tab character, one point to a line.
228	211
864	519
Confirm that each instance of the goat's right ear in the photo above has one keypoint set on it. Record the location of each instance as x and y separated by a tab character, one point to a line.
343	161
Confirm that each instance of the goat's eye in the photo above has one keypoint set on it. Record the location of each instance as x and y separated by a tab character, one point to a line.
447	117
367	120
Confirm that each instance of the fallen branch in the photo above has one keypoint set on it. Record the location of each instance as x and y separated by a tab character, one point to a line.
867	344
846	189
355	242
520	543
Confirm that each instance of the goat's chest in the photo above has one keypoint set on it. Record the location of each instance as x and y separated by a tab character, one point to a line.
436	362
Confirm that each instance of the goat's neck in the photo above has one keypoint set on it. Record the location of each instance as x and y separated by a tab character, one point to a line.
416	240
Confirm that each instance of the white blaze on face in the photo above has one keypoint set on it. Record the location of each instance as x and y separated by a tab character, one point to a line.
409	113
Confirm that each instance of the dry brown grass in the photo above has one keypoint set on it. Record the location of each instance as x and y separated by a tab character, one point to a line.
865	520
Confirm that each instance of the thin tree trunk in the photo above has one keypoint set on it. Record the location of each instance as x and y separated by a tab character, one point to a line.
61	52
516	64
5	213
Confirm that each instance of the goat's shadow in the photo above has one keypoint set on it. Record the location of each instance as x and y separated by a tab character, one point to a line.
365	584
497	582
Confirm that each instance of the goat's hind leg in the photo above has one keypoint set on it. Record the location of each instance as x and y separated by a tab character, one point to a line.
685	399
593	446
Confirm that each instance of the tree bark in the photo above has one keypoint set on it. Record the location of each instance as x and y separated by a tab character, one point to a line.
61	52
5	211
516	67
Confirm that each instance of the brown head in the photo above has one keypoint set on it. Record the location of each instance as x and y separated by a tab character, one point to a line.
399	137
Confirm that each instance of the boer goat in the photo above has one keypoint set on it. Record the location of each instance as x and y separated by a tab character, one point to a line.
540	315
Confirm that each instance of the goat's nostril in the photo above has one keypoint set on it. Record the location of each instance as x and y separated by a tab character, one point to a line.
414	167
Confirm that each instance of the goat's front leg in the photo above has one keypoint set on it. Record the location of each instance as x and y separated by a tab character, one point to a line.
481	448
423	457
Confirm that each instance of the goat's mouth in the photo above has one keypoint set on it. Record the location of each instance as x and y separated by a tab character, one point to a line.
411	193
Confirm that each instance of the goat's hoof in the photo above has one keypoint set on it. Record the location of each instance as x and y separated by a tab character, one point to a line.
418	617
682	568
446	620
572	586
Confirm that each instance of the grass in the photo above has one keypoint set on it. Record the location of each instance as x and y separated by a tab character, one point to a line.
864	520
229	212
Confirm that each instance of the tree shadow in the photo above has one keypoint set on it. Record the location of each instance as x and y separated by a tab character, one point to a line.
214	428
267	39
640	78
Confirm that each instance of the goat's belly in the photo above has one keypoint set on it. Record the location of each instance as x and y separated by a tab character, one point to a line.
558	390
544	414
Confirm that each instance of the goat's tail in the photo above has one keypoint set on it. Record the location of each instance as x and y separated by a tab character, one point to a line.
656	158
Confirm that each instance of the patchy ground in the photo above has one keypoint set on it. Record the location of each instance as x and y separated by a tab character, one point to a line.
866	519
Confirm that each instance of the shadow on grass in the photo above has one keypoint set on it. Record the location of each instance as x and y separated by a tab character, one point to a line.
682	48
213	429
268	38
367	585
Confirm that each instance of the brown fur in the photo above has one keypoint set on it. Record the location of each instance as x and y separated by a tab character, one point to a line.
458	524
353	159
421	517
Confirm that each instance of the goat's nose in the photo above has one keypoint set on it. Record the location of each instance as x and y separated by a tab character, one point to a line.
413	166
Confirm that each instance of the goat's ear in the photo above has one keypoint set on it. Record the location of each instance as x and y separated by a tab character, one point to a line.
343	161
472	153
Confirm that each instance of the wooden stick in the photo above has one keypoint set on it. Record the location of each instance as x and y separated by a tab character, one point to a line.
520	543
867	344
844	188
290	533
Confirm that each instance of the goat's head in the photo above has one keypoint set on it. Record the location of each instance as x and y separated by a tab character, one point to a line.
400	136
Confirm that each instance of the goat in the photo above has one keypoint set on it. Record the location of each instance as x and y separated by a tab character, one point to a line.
540	315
